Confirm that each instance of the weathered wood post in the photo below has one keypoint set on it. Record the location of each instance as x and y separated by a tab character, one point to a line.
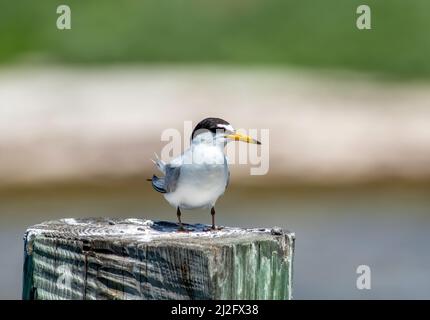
144	259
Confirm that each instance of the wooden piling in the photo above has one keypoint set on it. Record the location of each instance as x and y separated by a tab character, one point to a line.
143	259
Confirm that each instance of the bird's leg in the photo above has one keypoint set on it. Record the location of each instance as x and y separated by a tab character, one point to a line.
213	218
213	227
178	213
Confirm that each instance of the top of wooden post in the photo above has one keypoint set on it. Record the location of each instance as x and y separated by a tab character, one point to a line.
134	230
103	258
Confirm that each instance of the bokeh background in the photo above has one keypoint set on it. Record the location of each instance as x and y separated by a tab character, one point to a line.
82	111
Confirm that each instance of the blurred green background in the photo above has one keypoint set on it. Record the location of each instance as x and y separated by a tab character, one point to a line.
82	111
305	33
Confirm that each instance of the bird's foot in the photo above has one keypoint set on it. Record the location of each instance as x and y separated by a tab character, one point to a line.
214	228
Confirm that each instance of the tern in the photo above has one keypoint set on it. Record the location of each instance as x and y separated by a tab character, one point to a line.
200	175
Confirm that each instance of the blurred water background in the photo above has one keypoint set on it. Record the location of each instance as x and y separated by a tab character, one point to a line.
83	110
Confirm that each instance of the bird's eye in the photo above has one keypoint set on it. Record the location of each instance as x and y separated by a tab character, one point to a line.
218	130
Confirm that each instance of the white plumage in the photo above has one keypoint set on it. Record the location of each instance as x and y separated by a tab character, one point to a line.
203	177
199	176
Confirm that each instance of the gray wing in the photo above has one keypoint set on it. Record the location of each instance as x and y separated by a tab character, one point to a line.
171	178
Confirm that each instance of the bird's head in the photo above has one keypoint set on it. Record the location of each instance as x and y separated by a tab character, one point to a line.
219	131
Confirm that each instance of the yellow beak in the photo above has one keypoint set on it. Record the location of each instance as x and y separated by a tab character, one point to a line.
242	137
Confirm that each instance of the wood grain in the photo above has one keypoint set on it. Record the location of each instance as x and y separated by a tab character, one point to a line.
143	259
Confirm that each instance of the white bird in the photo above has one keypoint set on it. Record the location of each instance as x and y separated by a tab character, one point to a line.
199	176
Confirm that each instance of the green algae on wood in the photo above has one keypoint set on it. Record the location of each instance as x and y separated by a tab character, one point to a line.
143	259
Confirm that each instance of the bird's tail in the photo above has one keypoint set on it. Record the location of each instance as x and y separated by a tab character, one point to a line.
158	184
160	164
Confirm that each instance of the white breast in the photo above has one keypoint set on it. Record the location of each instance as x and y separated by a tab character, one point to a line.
203	178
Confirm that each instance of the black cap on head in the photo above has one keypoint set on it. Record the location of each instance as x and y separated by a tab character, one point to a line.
209	124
